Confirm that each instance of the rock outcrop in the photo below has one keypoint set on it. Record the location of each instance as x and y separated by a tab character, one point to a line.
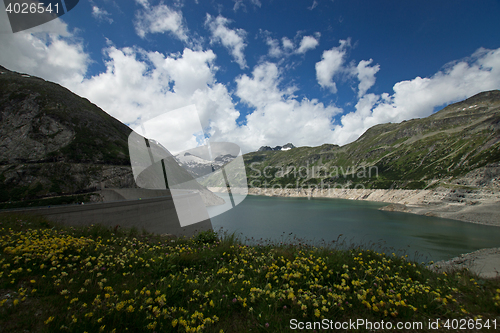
288	146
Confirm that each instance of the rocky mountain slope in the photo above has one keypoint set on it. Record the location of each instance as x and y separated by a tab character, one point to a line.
457	146
198	166
54	143
288	146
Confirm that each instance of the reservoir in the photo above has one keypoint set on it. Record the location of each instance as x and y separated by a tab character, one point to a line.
359	223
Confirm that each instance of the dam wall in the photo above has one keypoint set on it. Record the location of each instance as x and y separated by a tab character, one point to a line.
153	213
119	194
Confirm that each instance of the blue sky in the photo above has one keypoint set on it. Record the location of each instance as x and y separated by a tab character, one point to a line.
267	72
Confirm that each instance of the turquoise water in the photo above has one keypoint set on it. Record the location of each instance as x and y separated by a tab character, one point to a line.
423	238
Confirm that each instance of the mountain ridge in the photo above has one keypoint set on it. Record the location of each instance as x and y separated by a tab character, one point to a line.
285	147
420	153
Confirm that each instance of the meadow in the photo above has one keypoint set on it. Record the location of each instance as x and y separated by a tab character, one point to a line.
97	279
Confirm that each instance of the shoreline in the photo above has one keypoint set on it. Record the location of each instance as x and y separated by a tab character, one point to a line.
473	206
484	262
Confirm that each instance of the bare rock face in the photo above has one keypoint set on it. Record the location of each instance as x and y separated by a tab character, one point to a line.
487	176
29	134
54	143
395	207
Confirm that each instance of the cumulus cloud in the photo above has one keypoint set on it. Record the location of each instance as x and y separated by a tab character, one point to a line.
418	97
101	14
275	50
366	75
330	65
307	43
159	19
48	50
333	64
287	43
140	85
458	80
233	40
287	48
278	115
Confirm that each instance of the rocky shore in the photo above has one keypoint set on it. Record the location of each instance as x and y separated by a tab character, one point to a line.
475	206
484	262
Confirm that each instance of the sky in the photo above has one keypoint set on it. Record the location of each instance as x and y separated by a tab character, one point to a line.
265	72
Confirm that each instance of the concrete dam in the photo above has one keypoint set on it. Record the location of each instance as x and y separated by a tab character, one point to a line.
151	210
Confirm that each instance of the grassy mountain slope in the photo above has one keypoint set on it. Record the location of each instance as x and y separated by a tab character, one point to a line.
459	144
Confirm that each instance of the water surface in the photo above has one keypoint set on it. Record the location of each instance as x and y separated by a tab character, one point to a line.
359	222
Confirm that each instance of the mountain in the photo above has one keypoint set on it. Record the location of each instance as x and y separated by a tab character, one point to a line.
54	143
198	166
459	146
288	146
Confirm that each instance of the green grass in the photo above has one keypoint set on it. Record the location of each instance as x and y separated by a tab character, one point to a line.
99	279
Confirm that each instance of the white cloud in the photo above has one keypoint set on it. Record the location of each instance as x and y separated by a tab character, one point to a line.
101	14
48	50
366	75
314	5
418	97
256	3
279	117
140	85
239	4
307	43
330	65
159	19
145	84
261	89
233	40
274	47
287	43
333	64
287	48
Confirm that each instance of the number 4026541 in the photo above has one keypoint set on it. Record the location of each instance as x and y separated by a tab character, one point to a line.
464	324
31	8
